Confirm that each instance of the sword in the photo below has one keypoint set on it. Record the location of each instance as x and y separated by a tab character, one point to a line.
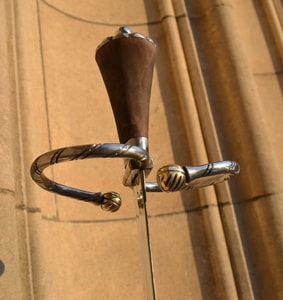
126	62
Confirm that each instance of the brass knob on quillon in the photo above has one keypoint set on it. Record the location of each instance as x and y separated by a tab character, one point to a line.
171	178
111	202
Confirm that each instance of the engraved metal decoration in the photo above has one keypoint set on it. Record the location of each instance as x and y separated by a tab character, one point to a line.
170	178
130	152
126	63
173	178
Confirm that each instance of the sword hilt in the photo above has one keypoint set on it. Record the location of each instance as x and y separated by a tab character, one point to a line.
126	62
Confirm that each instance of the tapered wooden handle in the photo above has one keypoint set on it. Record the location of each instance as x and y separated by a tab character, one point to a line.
126	63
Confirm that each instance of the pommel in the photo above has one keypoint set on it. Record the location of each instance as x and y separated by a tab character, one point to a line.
125	32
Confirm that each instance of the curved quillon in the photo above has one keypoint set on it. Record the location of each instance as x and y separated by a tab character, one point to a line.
110	201
173	178
170	178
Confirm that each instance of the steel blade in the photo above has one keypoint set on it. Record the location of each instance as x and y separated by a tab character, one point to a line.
143	228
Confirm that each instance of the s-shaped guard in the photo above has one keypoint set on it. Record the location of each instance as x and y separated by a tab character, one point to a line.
126	62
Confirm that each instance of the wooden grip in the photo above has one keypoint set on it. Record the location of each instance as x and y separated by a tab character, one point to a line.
126	65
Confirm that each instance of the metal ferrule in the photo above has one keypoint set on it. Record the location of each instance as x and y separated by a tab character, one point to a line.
141	142
132	167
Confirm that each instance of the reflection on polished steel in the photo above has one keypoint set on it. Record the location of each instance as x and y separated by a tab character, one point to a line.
131	166
170	178
108	202
173	178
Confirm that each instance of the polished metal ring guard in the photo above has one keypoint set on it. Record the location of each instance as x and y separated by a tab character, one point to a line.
133	55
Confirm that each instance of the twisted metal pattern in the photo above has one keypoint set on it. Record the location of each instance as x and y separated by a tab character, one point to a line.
109	201
170	178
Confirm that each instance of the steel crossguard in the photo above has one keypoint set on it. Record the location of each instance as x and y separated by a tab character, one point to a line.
170	178
126	63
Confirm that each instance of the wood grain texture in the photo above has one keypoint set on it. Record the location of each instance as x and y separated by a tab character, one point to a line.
126	65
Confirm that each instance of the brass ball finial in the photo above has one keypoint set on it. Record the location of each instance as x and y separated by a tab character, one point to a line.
171	178
111	202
